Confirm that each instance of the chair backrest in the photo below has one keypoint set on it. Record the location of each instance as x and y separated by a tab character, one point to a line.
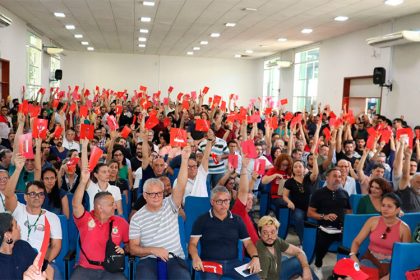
353	223
405	256
59	260
412	220
354	201
194	207
20	197
181	226
358	187
124	203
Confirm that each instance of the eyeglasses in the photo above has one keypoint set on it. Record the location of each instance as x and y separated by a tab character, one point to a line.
342	166
35	194
222	201
155	194
388	230
192	166
268	233
118	155
4	179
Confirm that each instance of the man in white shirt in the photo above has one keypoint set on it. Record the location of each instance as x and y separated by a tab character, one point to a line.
347	183
68	141
251	166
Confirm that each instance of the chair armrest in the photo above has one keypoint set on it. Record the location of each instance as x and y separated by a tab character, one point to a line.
343	250
71	255
310	224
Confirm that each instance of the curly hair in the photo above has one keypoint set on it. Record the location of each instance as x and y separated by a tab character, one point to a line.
280	159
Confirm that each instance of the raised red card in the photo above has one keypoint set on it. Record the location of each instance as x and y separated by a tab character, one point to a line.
170	89
24	107
45	242
55	103
386	135
327	134
166	122
193	95
268	111
143	88
185	105
83	111
42	91
125	132
248	149
40	128
34	111
259	166
288	116
86	93
95	155
202	125
210	100
87	131
151	122
233	161
370	143
58	131
64	108
212	267
223	106
179	96
255	118
25	146
112	123
118	109
166	101
417	133
273	122
231	118
72	107
332	115
406	131
205	90
283	101
178	137
371	131
216	100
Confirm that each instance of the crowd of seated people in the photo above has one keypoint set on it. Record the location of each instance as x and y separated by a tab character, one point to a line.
120	168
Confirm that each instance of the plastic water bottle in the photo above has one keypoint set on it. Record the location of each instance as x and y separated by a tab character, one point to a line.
162	269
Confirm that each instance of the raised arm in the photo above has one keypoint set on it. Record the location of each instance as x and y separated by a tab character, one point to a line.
398	161
315	169
19	132
9	192
359	170
331	150
145	160
243	190
211	138
339	139
405	179
38	163
78	208
178	192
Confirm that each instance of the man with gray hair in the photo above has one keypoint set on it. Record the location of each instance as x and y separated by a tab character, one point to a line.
219	232
154	231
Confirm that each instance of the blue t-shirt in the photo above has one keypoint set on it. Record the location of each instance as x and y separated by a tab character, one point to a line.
13	266
48	205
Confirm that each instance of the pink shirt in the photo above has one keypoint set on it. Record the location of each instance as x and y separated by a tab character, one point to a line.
382	240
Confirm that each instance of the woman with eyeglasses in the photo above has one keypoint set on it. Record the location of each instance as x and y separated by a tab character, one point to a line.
297	192
383	232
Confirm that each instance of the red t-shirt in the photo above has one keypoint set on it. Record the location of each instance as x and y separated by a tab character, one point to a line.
240	209
275	182
94	235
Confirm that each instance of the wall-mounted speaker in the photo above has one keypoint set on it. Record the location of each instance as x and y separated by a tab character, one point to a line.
379	74
58	75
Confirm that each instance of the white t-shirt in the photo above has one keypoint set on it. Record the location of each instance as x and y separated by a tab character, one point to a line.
268	165
2	203
93	189
37	224
71	145
196	187
137	177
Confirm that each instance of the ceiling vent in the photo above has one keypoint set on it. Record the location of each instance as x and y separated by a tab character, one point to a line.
5	21
394	39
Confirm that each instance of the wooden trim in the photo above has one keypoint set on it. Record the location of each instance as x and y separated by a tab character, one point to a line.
5	78
346	89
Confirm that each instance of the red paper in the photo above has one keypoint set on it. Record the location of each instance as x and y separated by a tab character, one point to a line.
268	111
283	101
178	137
332	115
72	107
58	131
406	131
95	155
87	131
25	146
255	118
417	133
386	135
166	122
118	109
151	122
248	149
288	116
125	131
165	101
87	93
370	144
55	103
63	109
185	105
202	125
223	106
233	161
231	118
24	107
42	91
179	96
143	88
33	110
273	122
259	166
216	100
205	90
83	111
170	89
40	128
45	242
210	100
112	123
194	95
212	267
327	134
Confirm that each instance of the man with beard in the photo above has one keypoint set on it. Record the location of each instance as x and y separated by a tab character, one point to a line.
45	152
58	150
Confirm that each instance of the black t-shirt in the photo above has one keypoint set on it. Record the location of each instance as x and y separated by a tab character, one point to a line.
140	202
135	163
342	155
300	193
122	184
175	162
326	201
147	174
13	266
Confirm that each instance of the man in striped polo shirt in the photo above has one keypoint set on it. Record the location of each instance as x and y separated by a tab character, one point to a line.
154	231
218	155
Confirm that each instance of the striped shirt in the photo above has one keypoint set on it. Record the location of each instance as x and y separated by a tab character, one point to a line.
219	148
158	229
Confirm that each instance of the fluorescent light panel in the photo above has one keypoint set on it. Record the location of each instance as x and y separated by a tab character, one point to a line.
144	31
90	49
70	27
393	2
204	43
230	24
145	19
190	53
142	39
78	36
196	48
59	14
282	39
249	51
215	35
341	18
84	43
148	3
142	45
306	30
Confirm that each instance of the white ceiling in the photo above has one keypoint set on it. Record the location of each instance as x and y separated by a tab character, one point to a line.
179	25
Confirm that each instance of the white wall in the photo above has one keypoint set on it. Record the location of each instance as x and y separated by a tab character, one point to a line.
185	74
349	55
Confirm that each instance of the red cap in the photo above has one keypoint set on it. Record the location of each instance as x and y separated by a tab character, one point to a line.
348	267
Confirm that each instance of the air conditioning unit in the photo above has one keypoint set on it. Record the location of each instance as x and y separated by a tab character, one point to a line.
279	64
5	21
393	39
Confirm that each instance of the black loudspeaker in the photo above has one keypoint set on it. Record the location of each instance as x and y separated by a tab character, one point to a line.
58	75
379	74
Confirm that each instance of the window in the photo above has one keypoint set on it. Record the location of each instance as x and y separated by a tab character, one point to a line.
306	79
55	64
34	64
271	80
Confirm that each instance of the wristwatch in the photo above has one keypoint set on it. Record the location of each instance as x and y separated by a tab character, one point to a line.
322	216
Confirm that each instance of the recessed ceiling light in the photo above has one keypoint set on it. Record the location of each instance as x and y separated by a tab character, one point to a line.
230	24
196	48
78	36
84	43
90	49
238	56
145	31
341	18
306	30
61	15
148	3
215	35
142	45
393	2
145	19
204	43
142	39
250	9
190	53
249	51
70	27
282	39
